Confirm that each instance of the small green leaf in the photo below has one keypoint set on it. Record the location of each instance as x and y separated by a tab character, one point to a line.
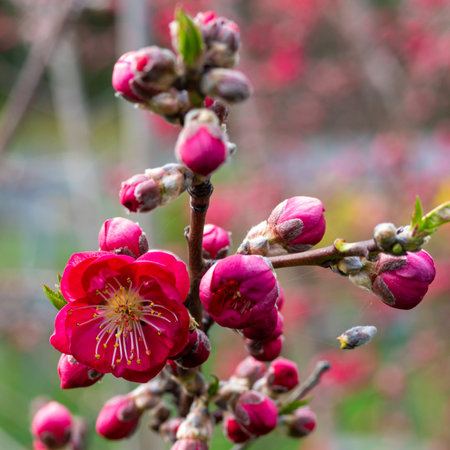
213	386
291	407
55	297
59	278
190	39
416	219
437	217
341	246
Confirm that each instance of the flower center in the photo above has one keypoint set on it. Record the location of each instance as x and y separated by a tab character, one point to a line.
124	314
230	297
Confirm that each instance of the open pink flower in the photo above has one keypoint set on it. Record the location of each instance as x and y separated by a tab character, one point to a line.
239	291
124	316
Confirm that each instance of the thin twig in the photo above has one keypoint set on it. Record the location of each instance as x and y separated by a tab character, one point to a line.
324	256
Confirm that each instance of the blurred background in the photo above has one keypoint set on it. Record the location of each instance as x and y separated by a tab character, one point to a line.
351	105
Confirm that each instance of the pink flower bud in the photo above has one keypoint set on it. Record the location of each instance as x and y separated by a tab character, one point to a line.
219	109
190	444
264	351
140	193
216	241
123	75
52	425
123	237
193	338
201	145
281	299
233	430
302	423
118	418
199	353
298	222
250	368
282	375
222	39
256	413
229	86
74	374
239	291
170	427
402	282
268	329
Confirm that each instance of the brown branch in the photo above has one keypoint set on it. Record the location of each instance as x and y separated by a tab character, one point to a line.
324	256
200	194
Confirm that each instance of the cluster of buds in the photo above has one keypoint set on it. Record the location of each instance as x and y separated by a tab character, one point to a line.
399	281
295	225
156	187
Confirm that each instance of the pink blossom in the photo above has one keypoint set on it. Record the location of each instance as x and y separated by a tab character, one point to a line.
239	291
74	374
118	418
268	329
201	143
216	241
298	221
52	425
402	282
233	430
122	236
123	75
140	193
124	316
256	413
282	375
264	351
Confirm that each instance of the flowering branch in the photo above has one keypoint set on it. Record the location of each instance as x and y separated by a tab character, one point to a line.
200	194
326	255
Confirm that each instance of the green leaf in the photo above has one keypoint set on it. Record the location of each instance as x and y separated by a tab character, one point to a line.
437	217
292	406
341	246
55	297
213	387
190	39
416	219
59	278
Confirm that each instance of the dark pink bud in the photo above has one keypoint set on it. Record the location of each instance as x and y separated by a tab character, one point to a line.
256	413
302	423
216	241
239	291
280	301
199	353
264	329
282	375
264	351
298	222
74	374
229	86
123	75
190	444
123	237
118	418
201	145
402	282
52	425
233	430
250	368
193	338
140	193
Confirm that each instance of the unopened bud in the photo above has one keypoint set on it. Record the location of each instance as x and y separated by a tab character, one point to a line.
74	374
201	145
219	109
230	86
216	241
52	425
171	104
233	430
118	418
249	369
356	336
351	265
385	235
190	444
199	352
156	187
123	237
170	427
282	375
264	351
198	425
256	241
256	413
302	422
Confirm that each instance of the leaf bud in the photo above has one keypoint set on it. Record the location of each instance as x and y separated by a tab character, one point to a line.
229	86
356	336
